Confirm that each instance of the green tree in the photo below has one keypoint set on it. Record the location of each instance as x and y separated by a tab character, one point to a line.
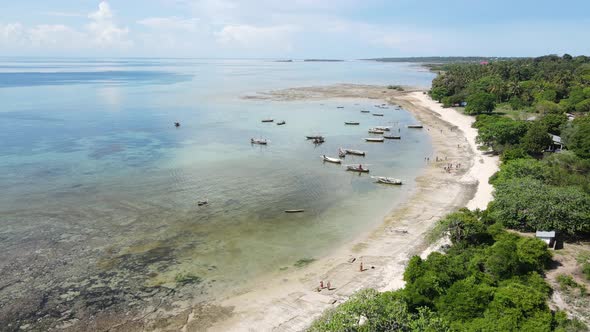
577	137
480	102
537	138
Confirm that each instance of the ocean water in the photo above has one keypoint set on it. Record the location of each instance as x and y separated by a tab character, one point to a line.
96	180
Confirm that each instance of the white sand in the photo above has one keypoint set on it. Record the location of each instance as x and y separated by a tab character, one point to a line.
289	302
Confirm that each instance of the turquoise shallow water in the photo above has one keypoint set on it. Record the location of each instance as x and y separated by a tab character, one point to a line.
94	173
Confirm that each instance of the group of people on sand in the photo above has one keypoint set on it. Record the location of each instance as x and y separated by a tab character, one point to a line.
328	286
451	166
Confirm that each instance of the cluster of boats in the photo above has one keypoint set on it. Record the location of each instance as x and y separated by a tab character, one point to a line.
359	168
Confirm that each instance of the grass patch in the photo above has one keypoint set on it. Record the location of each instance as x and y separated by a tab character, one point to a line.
395	87
304	262
187	278
567	283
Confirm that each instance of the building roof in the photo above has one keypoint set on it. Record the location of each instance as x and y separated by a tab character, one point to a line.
545	234
556	139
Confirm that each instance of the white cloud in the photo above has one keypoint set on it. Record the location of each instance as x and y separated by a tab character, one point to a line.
104	31
254	37
170	23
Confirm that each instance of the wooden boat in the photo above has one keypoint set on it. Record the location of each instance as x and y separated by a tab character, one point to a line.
417	126
363	111
352	123
357	168
376	131
331	160
201	203
315	137
294	211
281	123
377	114
259	141
354	152
392	137
268	120
384	128
374	139
387	180
340	107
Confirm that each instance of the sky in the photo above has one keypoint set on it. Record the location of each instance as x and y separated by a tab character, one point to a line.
343	29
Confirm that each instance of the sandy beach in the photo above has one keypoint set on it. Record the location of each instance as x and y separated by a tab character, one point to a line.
291	301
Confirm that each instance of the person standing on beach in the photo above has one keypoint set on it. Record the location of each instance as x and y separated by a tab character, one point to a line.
361	268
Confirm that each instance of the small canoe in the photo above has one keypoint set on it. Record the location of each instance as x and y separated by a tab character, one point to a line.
363	111
352	123
377	114
258	141
384	128
416	126
355	168
315	137
354	152
268	120
281	123
374	139
294	211
376	131
387	180
392	137
331	160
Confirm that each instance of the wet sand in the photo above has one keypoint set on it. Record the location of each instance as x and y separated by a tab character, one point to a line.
290	301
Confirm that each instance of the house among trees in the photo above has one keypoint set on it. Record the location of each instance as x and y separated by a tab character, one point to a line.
547	237
556	144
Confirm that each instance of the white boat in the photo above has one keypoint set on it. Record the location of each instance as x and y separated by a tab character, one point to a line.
259	141
354	152
376	131
417	126
357	168
352	123
374	139
377	114
387	180
268	120
330	159
384	128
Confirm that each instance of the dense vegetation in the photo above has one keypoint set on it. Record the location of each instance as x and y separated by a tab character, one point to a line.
490	279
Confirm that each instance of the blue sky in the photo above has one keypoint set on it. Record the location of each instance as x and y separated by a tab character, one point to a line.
294	28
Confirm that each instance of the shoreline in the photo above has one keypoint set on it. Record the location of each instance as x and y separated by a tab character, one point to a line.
291	303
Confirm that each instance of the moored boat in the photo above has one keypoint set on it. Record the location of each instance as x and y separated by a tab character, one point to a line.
259	141
363	111
341	153
268	120
387	180
340	107
416	126
384	128
281	123
352	123
354	152
392	137
374	139
375	131
377	114
315	137
357	168
294	211
330	159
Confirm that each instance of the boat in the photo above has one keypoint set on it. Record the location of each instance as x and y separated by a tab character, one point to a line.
384	128
340	107
363	111
201	203
268	120
417	126
281	123
315	137
341	153
357	168
259	141
387	180
376	131
374	139
377	114
331	160
294	211
354	152
352	123
318	140
392	137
